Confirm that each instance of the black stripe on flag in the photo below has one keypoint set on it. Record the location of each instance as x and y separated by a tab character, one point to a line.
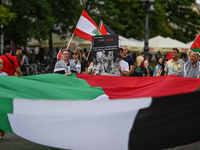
109	31
169	121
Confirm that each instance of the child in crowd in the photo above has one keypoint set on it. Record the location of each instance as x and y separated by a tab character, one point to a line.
1	67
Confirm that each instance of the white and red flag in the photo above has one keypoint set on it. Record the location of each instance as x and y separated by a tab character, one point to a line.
86	27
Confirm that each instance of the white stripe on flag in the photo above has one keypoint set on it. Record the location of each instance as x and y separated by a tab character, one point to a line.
86	26
77	125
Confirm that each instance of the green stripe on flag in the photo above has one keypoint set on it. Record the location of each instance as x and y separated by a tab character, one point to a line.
46	86
195	50
5	107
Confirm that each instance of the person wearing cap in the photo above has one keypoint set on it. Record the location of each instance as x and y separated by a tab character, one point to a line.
78	61
140	59
129	60
84	61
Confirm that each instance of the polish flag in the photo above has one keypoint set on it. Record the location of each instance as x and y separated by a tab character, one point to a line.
86	27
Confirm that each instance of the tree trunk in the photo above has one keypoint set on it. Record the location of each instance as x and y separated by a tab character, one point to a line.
51	50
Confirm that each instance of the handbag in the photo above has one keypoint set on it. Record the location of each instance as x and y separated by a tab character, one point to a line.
13	65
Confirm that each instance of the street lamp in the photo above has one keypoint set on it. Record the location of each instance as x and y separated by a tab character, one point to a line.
147	6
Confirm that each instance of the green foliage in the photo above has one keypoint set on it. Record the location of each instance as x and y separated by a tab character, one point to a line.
39	18
126	17
5	16
181	19
66	14
33	20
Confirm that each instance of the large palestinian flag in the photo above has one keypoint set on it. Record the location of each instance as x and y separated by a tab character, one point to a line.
88	112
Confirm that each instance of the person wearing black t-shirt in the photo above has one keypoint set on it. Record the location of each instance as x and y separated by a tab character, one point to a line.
129	60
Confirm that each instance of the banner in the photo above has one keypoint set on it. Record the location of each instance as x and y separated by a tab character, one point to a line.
105	54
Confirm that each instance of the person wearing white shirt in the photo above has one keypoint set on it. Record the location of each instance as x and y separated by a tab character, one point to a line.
123	67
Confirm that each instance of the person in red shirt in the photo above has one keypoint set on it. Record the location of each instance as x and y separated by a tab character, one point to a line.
10	64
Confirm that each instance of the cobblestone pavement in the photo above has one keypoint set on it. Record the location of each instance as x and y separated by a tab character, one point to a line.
14	142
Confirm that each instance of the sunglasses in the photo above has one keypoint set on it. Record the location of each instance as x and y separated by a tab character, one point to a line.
74	53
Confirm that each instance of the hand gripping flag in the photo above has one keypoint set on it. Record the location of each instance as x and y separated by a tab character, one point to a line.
196	44
86	27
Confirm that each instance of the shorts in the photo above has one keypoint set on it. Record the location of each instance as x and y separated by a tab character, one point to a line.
145	71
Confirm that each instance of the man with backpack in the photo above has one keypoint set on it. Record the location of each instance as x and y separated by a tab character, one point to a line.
10	64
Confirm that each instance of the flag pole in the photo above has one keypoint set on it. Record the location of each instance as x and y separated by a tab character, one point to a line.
70	40
89	51
91	44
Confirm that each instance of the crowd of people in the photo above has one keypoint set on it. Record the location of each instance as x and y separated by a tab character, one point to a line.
187	65
183	66
76	61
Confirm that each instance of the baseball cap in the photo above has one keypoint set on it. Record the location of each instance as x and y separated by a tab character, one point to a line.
78	48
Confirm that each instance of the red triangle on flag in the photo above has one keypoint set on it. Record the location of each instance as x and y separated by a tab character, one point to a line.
103	29
169	56
196	44
59	56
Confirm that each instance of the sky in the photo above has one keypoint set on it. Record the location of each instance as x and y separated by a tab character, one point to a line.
198	1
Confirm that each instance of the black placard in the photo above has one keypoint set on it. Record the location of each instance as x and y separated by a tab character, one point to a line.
105	54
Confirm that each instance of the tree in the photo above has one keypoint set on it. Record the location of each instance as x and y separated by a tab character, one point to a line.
105	10
33	20
66	14
181	19
5	16
127	18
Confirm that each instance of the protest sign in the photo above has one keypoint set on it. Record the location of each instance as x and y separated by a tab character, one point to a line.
105	54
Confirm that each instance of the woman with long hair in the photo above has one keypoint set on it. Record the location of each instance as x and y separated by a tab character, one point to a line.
76	55
158	67
161	72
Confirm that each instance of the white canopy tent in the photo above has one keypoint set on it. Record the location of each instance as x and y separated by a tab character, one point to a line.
161	44
190	43
134	40
57	42
131	45
180	45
